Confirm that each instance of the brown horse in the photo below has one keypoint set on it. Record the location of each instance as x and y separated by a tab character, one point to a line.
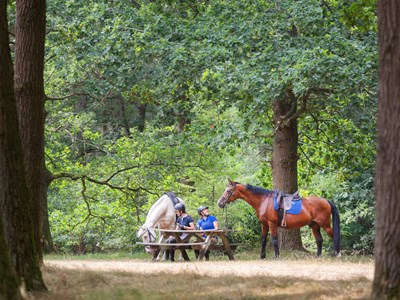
316	212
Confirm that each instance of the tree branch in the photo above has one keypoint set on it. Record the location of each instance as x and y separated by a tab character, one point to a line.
68	96
303	107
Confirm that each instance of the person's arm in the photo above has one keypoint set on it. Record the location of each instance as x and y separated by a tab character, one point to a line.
190	227
215	223
198	226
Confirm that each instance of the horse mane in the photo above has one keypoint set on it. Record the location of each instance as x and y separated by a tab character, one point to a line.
258	190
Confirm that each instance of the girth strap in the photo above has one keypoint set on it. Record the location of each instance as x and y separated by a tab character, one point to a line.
284	204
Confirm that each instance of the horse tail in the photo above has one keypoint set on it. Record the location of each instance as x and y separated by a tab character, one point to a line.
336	227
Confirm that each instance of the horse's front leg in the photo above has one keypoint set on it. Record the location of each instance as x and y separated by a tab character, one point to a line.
264	234
274	238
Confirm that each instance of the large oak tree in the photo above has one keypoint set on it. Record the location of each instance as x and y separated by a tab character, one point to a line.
8	279
386	283
16	205
29	94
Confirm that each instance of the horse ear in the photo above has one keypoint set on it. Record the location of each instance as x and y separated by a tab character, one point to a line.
230	181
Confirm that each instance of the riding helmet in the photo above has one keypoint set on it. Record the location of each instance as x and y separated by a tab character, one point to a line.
201	208
180	206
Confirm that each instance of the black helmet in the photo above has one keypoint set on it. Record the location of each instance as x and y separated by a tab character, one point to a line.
201	208
180	206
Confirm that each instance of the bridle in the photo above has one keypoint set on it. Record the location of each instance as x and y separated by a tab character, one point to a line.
229	191
150	235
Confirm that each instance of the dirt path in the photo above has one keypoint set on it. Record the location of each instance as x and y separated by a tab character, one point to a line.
316	270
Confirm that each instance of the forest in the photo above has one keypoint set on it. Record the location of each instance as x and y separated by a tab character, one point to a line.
144	97
148	97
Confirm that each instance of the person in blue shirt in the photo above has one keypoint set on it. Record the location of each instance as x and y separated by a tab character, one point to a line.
184	222
206	222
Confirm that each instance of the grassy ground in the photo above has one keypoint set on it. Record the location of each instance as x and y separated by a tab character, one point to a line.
81	284
240	254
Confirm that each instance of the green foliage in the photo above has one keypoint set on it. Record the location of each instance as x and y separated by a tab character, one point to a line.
358	214
214	68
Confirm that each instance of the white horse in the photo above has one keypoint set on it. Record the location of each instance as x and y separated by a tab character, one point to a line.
161	215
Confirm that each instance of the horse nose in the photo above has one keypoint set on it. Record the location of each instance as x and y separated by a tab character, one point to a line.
221	204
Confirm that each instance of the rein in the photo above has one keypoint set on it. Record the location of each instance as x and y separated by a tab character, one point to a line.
150	235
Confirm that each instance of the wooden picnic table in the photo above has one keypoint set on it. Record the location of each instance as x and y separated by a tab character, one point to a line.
194	240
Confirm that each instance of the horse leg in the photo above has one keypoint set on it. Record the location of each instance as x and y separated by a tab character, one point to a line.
318	237
264	233
274	239
327	227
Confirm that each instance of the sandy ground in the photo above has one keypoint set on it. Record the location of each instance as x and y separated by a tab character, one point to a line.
316	270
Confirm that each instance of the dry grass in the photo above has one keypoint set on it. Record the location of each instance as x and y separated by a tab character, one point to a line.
76	284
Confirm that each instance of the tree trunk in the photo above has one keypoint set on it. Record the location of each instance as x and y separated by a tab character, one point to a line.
9	286
386	284
8	279
29	94
142	116
47	240
284	164
123	116
15	205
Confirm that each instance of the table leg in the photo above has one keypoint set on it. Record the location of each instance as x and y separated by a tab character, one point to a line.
227	247
204	247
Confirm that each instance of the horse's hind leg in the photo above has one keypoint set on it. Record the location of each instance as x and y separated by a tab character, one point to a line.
318	237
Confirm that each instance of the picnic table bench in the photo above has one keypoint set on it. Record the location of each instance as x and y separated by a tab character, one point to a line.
194	240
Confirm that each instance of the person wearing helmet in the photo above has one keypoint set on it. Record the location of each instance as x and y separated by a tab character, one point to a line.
206	222
183	222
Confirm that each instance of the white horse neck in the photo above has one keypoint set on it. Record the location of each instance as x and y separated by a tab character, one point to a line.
162	209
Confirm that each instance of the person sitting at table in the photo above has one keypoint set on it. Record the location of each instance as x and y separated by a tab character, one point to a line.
183	222
206	222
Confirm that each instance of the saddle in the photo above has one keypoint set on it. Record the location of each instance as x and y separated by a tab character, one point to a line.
284	204
174	200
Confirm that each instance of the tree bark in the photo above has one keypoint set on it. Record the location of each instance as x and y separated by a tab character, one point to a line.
123	117
386	284
47	240
30	97
15	205
284	164
142	116
9	285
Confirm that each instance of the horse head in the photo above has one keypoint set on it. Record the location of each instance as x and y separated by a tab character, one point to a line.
228	195
149	236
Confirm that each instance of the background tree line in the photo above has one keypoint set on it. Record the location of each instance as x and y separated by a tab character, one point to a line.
137	98
173	96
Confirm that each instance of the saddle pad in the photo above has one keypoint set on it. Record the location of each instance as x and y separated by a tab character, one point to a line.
294	210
